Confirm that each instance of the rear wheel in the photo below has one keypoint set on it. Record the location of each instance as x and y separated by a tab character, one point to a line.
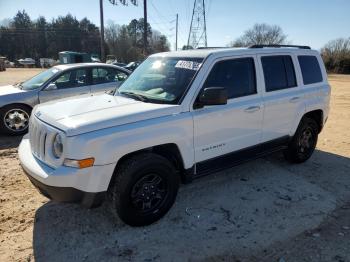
14	119
144	189
303	143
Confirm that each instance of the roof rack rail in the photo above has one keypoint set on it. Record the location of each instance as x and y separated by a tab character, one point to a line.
210	47
279	46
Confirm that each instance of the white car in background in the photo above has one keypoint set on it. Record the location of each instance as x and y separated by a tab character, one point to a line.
61	81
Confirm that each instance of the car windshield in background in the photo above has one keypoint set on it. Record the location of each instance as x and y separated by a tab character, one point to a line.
39	79
161	79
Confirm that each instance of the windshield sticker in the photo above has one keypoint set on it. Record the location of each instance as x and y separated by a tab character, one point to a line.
190	65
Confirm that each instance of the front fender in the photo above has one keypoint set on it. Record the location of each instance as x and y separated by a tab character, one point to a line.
109	145
29	98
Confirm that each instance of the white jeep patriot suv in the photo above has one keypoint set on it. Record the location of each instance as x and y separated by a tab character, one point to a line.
180	115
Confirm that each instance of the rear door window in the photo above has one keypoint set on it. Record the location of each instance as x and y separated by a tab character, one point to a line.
310	69
279	72
106	75
99	76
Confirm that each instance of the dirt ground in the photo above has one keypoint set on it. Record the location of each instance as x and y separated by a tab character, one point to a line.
15	75
265	210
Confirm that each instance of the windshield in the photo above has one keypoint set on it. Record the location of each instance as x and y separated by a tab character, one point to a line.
39	79
161	79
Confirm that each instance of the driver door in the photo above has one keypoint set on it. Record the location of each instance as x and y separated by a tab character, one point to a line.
223	129
70	83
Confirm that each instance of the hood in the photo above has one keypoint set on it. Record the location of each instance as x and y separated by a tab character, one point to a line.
9	89
89	113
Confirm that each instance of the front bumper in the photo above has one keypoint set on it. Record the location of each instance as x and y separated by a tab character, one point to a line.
68	194
65	184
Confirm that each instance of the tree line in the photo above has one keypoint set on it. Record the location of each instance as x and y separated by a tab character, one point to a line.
24	37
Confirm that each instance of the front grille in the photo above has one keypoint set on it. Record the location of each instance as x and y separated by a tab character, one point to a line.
41	136
38	136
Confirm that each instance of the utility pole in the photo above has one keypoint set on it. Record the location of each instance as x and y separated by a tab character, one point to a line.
177	29
102	29
145	27
102	33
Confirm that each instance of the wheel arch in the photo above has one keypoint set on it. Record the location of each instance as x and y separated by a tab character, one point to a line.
17	104
316	115
169	151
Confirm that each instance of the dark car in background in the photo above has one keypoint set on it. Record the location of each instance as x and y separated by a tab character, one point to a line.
132	65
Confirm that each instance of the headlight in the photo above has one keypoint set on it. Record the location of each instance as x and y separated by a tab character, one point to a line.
57	146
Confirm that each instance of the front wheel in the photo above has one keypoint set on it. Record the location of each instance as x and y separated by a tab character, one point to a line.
303	143
14	119
144	189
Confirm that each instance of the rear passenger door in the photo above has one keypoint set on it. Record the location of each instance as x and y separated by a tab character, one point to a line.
106	79
282	98
223	129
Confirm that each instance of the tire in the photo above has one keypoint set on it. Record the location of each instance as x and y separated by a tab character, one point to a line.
136	181
303	142
20	116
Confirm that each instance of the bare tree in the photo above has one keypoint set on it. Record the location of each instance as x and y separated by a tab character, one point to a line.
125	42
158	42
336	55
261	34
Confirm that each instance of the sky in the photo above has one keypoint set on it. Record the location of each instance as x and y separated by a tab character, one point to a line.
305	22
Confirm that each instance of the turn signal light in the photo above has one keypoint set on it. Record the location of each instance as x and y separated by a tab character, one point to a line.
83	163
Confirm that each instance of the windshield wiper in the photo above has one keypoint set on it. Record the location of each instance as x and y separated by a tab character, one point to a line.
135	96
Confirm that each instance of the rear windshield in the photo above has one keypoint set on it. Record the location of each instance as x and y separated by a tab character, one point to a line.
310	69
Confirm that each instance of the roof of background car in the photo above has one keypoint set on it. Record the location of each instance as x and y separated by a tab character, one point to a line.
202	53
69	66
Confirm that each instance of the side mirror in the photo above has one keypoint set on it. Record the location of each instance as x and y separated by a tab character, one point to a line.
211	96
50	87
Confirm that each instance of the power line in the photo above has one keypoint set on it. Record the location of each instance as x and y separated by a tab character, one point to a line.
113	2
209	7
164	22
159	13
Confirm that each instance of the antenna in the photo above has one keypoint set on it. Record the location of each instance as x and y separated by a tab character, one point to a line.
198	29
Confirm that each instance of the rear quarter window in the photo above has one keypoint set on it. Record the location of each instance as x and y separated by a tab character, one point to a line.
310	69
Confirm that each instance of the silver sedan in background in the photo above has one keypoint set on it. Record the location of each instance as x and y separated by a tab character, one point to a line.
61	81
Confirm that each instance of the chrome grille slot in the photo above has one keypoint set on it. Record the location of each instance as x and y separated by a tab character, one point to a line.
43	147
41	144
37	142
38	135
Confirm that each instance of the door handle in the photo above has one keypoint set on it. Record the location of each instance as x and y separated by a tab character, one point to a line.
252	109
294	99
